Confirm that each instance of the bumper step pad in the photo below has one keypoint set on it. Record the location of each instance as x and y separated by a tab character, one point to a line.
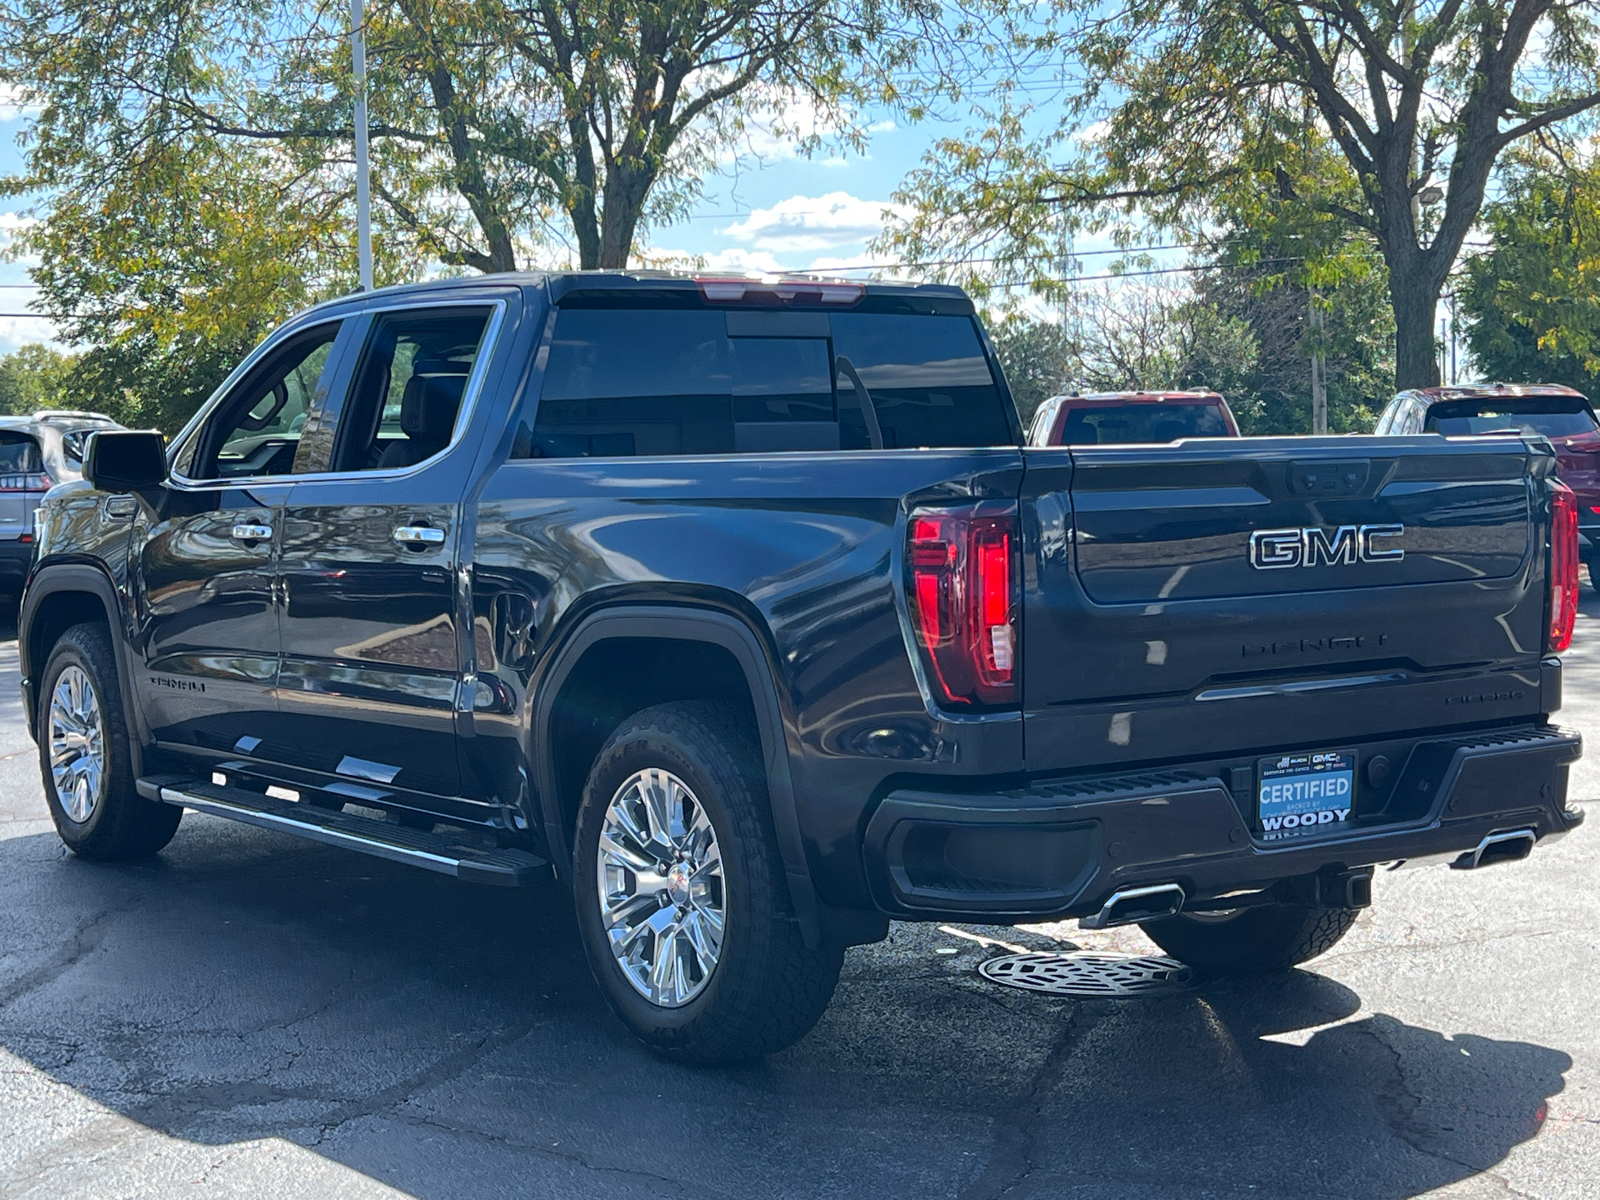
418	848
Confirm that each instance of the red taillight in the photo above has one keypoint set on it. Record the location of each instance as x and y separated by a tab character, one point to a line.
964	601
37	481
1563	566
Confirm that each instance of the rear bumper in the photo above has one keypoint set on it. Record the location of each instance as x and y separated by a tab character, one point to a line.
1063	849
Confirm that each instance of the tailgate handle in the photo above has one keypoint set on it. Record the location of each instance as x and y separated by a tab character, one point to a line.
1347	478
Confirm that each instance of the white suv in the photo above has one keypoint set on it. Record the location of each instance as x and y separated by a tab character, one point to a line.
36	453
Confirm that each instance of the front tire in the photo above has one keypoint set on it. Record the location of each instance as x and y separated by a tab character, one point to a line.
1251	941
681	895
84	755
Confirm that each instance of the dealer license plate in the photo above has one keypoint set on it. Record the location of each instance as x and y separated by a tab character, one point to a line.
1299	794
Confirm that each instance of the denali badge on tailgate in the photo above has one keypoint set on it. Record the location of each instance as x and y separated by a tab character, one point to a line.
1312	546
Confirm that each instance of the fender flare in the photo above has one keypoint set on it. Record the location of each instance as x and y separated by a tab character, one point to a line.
690	624
51	579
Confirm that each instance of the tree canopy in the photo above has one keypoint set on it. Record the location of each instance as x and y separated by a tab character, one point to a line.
32	378
1377	123
195	156
1532	301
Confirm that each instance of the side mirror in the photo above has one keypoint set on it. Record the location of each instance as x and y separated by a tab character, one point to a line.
125	460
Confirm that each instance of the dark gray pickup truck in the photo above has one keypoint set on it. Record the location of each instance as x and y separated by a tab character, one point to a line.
743	608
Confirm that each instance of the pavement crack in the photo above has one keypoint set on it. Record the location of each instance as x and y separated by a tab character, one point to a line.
442	1070
82	942
1011	1160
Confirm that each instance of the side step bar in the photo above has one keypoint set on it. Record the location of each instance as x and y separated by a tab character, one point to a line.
415	847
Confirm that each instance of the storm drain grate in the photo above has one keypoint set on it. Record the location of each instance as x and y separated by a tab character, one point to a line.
1087	974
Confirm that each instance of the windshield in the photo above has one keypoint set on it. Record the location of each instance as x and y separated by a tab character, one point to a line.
1165	422
1551	416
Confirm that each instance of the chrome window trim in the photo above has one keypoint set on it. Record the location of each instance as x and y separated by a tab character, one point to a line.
469	398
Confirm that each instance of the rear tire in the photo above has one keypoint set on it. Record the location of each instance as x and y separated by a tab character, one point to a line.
1251	941
85	757
698	950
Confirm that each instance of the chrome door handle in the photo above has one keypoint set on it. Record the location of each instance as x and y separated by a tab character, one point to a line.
419	535
244	531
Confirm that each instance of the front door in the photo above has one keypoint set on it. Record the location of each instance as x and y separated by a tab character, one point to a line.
372	662
205	594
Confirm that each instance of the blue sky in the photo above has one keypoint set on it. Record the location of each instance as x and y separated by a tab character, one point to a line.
767	209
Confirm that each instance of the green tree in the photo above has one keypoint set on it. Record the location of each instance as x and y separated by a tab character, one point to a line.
1354	112
496	126
1036	356
194	156
1532	302
34	377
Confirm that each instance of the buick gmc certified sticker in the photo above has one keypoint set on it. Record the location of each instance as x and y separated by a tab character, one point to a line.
1302	793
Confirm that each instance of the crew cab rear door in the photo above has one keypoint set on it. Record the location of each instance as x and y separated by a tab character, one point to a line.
1254	594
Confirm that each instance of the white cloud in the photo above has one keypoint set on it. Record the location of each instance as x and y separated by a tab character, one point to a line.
1091	133
16	332
14	103
854	263
803	223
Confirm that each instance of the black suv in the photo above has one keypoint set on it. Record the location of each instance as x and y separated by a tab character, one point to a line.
742	606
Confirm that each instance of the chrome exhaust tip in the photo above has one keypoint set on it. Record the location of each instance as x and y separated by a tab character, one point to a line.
1132	905
1511	846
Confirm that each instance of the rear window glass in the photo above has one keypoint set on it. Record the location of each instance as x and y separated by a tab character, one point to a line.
623	382
19	455
1116	423
1551	416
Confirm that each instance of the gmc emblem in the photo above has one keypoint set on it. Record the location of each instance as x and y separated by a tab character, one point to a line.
1279	549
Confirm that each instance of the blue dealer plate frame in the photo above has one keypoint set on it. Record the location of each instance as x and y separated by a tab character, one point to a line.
1301	795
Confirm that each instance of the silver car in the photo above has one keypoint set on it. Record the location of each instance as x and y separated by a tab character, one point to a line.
36	453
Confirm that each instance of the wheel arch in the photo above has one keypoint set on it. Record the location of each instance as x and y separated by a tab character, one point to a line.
740	657
58	597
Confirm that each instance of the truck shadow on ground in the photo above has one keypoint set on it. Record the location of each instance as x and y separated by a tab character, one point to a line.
448	1041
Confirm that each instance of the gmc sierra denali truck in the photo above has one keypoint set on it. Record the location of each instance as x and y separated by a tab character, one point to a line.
742	606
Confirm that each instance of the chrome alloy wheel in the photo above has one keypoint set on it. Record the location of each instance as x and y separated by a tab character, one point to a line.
77	744
662	896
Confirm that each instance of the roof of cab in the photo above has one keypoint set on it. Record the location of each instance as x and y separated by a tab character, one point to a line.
1189	397
562	283
1487	391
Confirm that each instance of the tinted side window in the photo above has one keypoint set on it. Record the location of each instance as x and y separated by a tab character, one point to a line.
621	383
927	378
256	429
405	400
662	382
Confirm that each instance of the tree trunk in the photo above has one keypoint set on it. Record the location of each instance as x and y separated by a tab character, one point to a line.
1416	358
626	190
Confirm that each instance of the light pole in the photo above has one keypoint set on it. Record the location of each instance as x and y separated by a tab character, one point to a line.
358	54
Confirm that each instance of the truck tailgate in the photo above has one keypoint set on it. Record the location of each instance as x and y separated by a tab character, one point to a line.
1195	599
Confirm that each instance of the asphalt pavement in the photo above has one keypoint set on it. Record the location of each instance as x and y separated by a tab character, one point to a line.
250	1015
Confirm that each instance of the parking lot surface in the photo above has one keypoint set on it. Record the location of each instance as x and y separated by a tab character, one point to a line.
251	1015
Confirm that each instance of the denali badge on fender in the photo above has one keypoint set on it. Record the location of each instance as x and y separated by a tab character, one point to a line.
1275	549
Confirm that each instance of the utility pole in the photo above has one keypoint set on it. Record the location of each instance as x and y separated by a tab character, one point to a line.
1319	382
1450	302
358	54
